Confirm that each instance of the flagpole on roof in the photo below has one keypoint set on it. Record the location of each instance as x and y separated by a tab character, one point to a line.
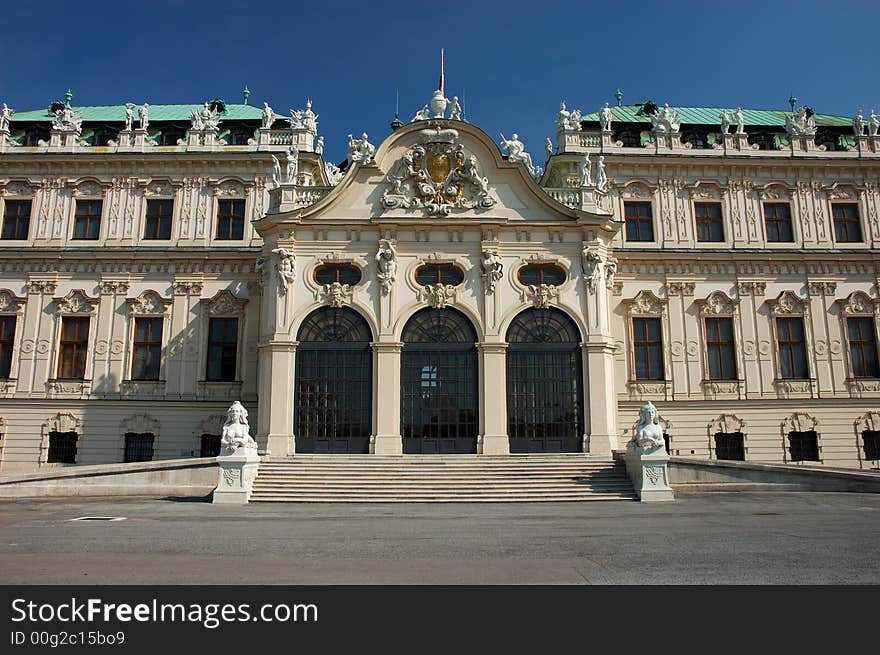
442	66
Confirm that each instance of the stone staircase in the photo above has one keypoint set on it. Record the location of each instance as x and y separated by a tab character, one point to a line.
440	479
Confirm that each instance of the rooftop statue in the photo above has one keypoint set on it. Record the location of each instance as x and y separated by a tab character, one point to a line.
726	119
422	114
360	149
516	151
144	116
666	121
196	121
129	116
801	123
438	104
236	431
319	146
268	116
210	118
873	123
549	148
648	433
562	117
67	120
605	118
858	124
304	119
5	114
455	109
334	175
740	121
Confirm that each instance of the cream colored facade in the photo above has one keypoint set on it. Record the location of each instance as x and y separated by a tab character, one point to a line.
193	277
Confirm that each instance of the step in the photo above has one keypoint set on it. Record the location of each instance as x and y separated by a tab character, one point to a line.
439	499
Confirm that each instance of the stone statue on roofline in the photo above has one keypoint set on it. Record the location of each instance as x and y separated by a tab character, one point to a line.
873	123
5	115
605	118
516	151
129	116
858	124
360	149
455	109
268	116
665	121
422	114
144	116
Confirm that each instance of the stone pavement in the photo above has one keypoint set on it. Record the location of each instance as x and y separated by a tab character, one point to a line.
752	538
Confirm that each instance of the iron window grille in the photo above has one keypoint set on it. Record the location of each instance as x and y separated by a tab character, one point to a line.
863	347
730	446
792	349
7	340
87	220
803	446
537	274
222	349
777	219
847	223
341	273
639	219
209	445
544	383
430	274
871	444
62	448
333	397
139	446
720	347
74	347
439	397
147	349
16	219
709	221
648	349
158	219
230	220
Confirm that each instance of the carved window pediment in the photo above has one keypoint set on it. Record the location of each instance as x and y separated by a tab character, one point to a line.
10	303
842	192
726	424
140	423
704	191
646	304
89	189
76	302
230	189
18	190
149	303
868	421
775	192
858	303
718	303
224	304
62	422
636	191
800	422
788	303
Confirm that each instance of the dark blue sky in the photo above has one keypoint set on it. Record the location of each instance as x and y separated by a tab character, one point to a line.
514	60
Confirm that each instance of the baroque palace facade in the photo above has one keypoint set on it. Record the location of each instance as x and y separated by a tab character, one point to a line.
436	294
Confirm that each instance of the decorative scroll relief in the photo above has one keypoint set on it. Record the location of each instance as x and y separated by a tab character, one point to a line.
868	421
62	422
492	267
726	423
140	423
438	295
225	304
717	303
335	294
788	304
858	303
645	304
149	303
542	294
10	303
76	302
437	176
800	422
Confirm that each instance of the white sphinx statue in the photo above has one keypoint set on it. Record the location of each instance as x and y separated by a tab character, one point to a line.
648	433
236	431
646	457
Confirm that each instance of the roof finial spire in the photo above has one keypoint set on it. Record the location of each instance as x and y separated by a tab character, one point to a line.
792	100
396	123
246	93
619	96
68	96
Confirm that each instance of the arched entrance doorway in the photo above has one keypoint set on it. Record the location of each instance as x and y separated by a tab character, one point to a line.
438	394
545	396
332	410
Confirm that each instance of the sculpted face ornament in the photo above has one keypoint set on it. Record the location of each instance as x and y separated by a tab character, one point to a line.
437	176
236	431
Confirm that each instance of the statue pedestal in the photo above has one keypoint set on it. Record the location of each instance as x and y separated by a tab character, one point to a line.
237	474
649	472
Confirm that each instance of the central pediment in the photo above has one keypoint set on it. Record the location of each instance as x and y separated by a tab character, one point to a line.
439	170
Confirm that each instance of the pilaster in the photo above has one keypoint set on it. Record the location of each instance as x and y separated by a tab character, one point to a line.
493	399
387	439
277	361
600	411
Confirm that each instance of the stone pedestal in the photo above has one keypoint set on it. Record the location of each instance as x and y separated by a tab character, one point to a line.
236	478
649	472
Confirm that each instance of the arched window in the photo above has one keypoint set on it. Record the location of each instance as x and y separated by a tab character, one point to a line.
438	394
545	395
549	274
333	391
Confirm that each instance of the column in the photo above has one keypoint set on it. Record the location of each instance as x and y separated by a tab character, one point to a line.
600	395
493	398
386	398
277	360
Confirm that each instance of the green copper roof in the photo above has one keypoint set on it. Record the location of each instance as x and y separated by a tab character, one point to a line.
116	113
711	116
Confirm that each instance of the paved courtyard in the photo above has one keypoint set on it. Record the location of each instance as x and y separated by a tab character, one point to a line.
721	538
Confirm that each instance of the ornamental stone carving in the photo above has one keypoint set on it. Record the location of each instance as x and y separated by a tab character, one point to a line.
593	267
114	287
799	422
360	150
822	288
745	288
868	421
386	265
646	304
149	303
493	269
140	423
187	287
788	304
76	302
680	288
717	303
335	294
62	422
438	295
284	266
610	272
727	424
224	304
542	294
858	303
10	303
437	176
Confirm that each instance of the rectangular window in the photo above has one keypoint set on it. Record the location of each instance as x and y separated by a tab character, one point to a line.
648	346
210	445
74	345
719	343
158	223
730	445
871	444
792	350
222	348
87	220
709	225
803	446
16	219
139	447
230	220
777	218
7	339
147	349
862	347
847	225
639	221
62	448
